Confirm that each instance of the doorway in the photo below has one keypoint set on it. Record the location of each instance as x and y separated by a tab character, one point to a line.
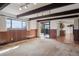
44	29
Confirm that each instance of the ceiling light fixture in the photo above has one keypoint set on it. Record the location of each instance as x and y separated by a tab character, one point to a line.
25	7
34	3
20	8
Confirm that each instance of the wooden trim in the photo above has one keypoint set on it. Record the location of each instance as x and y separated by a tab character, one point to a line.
76	36
73	16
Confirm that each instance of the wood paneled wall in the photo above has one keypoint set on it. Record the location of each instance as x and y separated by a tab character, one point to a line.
32	33
4	37
53	33
16	35
76	36
62	32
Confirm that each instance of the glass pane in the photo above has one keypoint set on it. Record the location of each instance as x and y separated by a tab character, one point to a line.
46	26
46	29
24	24
16	24
8	23
42	28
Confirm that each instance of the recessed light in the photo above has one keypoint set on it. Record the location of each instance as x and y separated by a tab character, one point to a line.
25	7
34	3
20	8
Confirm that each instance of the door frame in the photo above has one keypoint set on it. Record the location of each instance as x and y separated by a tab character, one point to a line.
39	21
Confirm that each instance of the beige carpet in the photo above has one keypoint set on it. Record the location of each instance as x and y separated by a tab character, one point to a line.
39	47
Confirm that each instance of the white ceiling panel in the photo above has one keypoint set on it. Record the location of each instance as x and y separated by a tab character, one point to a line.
13	8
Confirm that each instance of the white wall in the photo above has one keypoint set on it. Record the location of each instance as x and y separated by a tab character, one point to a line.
53	24
76	23
2	24
33	24
66	28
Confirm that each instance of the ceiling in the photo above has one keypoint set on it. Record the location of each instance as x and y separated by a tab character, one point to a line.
3	5
13	8
62	11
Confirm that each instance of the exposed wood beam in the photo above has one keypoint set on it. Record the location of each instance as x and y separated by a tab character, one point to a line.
73	16
44	8
57	14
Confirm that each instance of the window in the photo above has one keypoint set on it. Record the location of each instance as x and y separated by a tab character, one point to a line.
14	24
8	24
24	24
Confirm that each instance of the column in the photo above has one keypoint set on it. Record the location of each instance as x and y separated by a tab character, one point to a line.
2	23
76	30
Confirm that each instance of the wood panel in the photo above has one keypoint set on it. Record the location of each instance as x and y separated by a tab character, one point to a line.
12	36
53	33
4	37
32	33
76	36
16	35
62	32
